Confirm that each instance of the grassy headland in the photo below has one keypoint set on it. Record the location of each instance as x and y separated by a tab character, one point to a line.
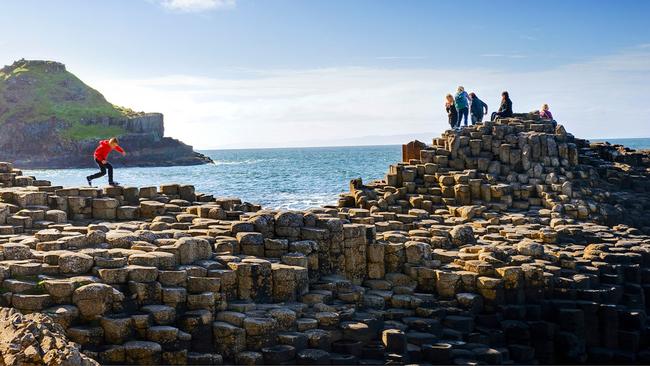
37	91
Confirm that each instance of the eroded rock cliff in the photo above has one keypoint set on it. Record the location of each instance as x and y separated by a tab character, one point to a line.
51	119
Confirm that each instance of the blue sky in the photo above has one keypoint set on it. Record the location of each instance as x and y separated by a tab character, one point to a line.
312	72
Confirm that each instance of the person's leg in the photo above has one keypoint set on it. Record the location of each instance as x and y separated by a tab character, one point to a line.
465	113
110	172
494	116
102	171
473	118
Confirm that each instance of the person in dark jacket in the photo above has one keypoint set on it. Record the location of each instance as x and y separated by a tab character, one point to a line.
505	109
477	108
452	113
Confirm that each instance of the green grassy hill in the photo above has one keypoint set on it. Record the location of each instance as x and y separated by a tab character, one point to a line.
51	119
36	91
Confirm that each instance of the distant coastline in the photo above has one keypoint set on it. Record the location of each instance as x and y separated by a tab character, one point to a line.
631	142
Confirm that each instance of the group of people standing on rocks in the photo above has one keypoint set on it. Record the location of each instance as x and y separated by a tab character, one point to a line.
462	104
459	106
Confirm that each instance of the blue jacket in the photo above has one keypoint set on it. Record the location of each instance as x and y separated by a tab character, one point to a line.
462	100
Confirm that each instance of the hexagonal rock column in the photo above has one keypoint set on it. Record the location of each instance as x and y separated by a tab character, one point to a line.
254	279
105	208
289	282
151	209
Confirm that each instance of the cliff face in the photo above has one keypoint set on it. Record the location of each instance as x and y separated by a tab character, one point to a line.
51	119
46	145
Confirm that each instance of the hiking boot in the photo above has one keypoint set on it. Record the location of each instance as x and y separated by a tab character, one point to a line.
114	184
90	182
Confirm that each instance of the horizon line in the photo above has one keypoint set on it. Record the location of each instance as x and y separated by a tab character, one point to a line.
376	145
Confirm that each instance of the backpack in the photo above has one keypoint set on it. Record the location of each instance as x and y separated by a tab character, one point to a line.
461	100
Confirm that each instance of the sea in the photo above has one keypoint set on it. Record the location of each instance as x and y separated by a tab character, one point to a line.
284	178
281	178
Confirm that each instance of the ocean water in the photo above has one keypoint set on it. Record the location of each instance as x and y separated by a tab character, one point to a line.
633	143
291	178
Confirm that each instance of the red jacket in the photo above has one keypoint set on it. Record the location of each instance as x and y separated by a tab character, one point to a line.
104	148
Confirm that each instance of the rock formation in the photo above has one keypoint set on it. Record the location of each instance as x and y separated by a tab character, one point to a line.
51	119
36	339
508	242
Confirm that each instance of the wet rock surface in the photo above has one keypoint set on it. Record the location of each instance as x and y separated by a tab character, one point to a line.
508	242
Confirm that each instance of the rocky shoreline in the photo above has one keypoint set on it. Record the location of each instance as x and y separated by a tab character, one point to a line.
508	242
143	138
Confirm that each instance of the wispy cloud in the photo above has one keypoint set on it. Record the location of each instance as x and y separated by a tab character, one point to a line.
527	37
196	6
514	55
401	57
598	98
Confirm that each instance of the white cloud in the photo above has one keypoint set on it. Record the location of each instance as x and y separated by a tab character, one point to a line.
194	6
401	57
513	55
600	98
528	37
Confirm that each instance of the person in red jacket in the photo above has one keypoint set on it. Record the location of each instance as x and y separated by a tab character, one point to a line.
101	154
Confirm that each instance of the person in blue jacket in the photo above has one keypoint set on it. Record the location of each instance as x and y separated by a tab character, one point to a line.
477	109
462	104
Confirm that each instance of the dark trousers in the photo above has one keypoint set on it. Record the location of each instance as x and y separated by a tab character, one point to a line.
452	121
462	113
495	115
103	168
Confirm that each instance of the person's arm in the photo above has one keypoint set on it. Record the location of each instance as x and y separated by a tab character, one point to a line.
119	149
485	107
